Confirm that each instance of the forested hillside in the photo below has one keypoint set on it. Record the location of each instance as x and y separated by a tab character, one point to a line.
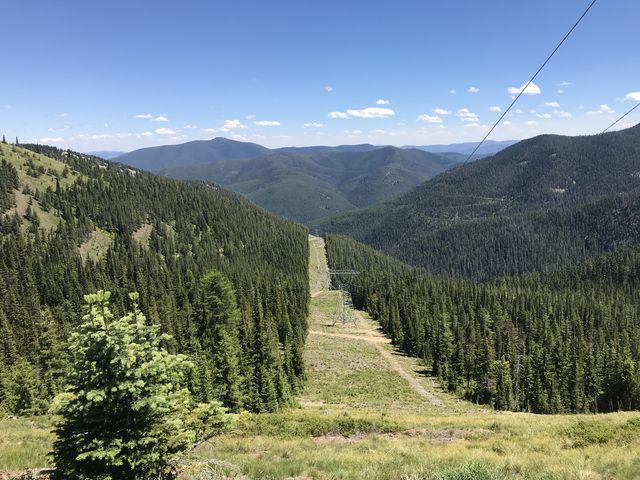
305	186
73	224
565	341
542	203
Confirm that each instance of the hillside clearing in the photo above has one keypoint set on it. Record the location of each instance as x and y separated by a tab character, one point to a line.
368	412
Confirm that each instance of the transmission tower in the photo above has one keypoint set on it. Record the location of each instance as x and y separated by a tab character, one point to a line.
344	303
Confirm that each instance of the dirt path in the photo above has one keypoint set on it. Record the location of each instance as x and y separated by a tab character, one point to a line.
364	330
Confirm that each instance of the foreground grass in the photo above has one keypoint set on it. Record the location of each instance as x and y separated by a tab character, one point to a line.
25	443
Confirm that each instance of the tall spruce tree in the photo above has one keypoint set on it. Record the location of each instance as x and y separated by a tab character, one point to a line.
218	326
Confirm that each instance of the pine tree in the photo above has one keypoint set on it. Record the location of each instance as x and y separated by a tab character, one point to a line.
218	333
123	415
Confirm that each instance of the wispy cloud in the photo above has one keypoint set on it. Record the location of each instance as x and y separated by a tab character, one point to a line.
532	89
530	122
552	104
466	115
381	101
328	88
452	92
473	90
429	118
51	140
232	125
441	111
565	84
633	96
267	123
369	112
495	109
165	131
562	114
146	116
161	118
314	125
603	109
64	115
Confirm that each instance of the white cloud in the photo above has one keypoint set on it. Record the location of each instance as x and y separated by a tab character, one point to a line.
161	118
603	109
633	96
495	109
379	131
560	90
144	115
232	125
51	140
267	123
543	115
562	114
429	118
250	117
165	131
64	115
328	88
147	134
441	111
61	129
507	122
452	91
190	127
565	84
530	122
381	101
473	90
209	130
552	104
314	125
518	110
371	112
532	89
467	116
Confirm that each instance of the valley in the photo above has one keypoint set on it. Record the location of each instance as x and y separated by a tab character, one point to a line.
368	411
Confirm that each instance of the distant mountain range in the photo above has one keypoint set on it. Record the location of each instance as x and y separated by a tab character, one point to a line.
309	186
106	154
489	147
540	203
301	183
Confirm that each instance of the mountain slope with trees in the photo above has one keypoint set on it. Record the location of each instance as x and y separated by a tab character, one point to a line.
541	203
73	224
308	186
564	341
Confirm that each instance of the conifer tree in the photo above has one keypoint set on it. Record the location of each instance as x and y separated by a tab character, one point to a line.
218	333
123	414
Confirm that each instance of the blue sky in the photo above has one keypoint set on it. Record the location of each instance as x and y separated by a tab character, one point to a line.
122	75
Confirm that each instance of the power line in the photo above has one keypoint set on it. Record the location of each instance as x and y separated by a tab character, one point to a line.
628	112
532	79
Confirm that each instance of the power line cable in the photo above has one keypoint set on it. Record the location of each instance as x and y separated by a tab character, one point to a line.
628	112
532	79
